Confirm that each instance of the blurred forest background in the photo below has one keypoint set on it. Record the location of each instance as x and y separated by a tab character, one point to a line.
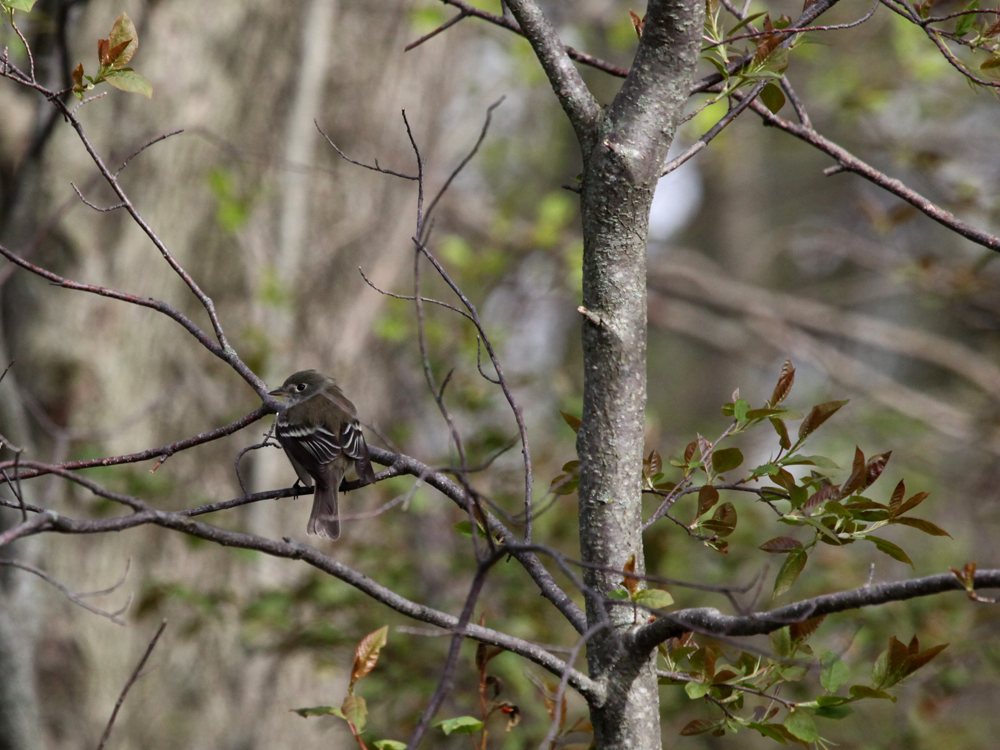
755	257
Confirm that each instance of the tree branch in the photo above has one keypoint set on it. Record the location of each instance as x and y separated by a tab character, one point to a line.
847	162
579	104
711	621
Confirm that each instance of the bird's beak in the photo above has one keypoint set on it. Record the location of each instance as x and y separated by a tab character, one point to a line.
278	393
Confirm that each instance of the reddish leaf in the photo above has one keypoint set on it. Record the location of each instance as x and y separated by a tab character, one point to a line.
800	631
784	384
723	522
708	496
874	468
631	583
898	660
367	653
689	451
824	493
115	52
897	498
967	575
637	23
103	45
819	414
653	465
912	503
780	544
706	453
77	75
919	660
698	726
856	481
573	422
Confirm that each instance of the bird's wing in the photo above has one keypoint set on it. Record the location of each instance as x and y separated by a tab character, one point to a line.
353	442
323	445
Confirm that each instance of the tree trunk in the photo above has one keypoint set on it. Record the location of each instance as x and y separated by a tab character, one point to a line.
620	175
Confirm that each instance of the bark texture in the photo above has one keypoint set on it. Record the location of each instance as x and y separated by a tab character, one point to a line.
620	175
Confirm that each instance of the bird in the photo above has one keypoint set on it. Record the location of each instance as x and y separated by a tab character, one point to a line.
320	434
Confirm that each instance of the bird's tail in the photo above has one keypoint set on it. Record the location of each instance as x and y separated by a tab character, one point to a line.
325	517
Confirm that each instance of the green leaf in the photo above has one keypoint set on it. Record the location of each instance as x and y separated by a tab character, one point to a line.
654	598
697	690
925	526
781	642
123	32
726	459
24	5
834	712
765	412
740	409
619	594
749	19
772	731
863	691
355	711
319	711
801	724
797	459
389	745
128	80
790	570
779	426
834	673
965	23
893	551
460	725
773	98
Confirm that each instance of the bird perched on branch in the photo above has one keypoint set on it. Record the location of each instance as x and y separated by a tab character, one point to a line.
320	434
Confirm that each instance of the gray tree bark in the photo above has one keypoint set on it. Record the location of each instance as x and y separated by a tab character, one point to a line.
624	148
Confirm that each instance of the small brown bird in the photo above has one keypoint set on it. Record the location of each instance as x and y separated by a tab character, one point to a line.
320	434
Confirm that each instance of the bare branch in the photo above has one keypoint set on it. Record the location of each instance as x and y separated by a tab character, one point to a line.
579	104
345	157
147	455
128	685
847	162
723	122
73	596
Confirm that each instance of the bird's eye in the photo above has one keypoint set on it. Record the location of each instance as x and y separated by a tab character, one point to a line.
300	387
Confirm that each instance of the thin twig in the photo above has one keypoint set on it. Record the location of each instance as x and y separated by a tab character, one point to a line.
376	168
128	685
73	596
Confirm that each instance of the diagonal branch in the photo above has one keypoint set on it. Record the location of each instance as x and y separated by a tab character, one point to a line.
579	104
290	549
847	162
